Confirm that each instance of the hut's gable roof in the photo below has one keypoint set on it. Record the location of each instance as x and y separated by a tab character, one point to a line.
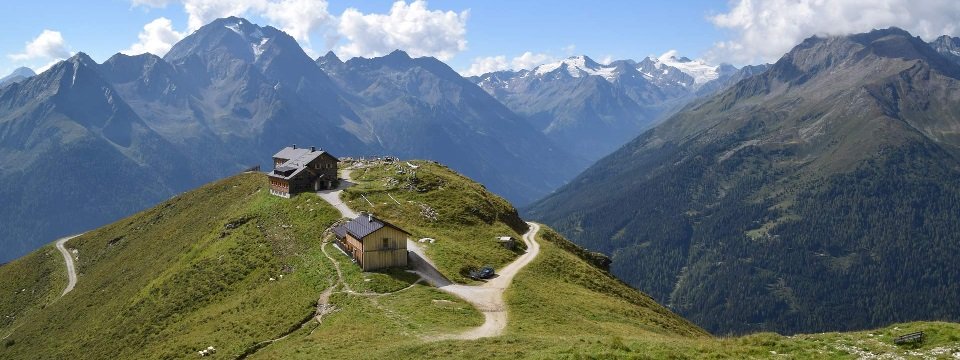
297	161
364	225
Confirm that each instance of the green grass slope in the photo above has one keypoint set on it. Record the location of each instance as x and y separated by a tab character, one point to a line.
195	272
435	202
190	273
29	285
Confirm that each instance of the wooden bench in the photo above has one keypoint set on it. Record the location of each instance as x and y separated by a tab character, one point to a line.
909	338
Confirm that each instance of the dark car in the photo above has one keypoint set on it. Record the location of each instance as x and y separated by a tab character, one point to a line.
485	273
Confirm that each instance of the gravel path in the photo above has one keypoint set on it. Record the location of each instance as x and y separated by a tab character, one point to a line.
488	298
68	258
333	196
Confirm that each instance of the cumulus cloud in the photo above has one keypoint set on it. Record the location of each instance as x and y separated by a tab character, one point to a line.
48	45
298	17
410	27
483	65
762	31
201	12
527	60
157	38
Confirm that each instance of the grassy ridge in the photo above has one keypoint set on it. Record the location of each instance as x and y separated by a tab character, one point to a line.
190	273
194	272
434	202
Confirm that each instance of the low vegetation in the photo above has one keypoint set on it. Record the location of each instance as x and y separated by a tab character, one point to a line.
29	285
459	219
232	267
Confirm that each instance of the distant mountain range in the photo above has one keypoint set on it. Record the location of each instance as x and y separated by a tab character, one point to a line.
820	194
86	143
595	108
421	108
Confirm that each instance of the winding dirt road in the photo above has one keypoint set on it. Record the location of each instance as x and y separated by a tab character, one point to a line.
68	259
488	298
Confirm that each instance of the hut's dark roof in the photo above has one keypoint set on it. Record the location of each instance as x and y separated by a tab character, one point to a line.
364	225
297	161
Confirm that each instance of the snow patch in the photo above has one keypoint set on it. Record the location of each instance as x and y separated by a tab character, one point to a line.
698	69
234	27
258	48
577	66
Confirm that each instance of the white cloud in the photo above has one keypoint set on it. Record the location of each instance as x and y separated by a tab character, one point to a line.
409	27
156	38
201	12
483	65
527	60
298	17
765	30
48	45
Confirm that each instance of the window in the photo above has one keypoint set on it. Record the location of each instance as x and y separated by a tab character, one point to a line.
386	243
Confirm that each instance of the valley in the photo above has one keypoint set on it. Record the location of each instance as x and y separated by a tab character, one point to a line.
816	196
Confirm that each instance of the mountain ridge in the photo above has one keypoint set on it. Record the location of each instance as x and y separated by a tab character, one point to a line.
595	108
762	196
230	94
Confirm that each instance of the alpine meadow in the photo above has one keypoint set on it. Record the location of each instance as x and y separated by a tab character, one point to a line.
321	179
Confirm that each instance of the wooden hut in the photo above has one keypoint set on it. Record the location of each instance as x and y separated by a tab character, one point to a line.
373	243
300	170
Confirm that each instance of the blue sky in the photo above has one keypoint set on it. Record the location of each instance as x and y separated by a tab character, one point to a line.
465	33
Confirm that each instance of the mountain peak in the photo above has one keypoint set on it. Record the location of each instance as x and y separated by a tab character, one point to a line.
876	36
17	75
232	22
816	54
699	70
329	62
577	66
23	71
236	37
947	46
81	58
585	61
398	54
330	56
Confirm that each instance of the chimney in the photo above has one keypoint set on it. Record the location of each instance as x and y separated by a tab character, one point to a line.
313	148
294	146
369	217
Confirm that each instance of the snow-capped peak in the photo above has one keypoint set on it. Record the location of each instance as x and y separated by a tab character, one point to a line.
698	69
252	34
578	66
